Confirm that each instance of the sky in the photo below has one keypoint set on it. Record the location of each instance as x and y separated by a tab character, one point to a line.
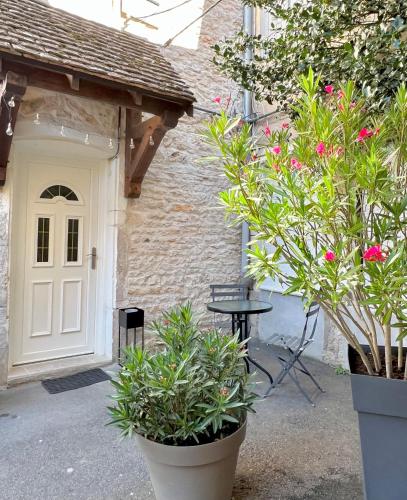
157	28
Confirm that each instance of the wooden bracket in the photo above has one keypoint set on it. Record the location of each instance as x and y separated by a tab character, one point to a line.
73	81
146	137
13	85
137	98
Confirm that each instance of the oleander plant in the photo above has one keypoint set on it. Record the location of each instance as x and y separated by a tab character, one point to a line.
325	200
194	390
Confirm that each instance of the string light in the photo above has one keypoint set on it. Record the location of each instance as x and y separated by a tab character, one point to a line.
9	130
11	102
62	131
151	141
132	145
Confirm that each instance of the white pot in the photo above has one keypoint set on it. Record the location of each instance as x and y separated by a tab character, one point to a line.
202	472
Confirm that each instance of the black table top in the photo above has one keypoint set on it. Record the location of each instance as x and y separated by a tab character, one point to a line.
239	306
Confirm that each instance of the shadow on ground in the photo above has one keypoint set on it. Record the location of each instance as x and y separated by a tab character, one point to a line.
294	451
57	447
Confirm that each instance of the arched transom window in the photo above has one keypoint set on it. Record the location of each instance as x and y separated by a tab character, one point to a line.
58	190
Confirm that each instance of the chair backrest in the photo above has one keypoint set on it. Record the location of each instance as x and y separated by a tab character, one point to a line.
238	291
311	320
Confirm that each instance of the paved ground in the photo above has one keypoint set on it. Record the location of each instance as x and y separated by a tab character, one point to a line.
57	447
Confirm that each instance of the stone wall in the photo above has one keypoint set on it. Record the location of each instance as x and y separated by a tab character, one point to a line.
78	116
174	241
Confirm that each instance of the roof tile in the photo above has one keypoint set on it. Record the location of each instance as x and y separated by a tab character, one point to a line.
43	33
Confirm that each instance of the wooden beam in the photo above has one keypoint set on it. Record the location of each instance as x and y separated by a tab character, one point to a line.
13	85
92	88
147	137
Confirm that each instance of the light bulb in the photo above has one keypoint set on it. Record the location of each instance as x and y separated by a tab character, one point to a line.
151	141
62	131
9	130
11	102
37	119
86	139
110	143
132	145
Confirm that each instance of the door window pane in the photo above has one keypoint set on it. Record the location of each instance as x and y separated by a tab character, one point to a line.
43	239
72	250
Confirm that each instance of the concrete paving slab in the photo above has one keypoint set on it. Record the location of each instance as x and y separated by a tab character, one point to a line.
57	447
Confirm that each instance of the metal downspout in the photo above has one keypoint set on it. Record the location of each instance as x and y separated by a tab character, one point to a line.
248	18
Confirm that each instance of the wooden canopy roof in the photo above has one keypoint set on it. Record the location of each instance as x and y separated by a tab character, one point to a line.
39	32
48	48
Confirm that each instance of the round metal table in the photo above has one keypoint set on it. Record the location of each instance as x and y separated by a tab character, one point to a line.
240	311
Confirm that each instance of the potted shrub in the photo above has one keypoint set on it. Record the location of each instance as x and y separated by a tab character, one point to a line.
186	405
326	205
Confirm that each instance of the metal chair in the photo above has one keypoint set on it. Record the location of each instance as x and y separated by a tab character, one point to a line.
295	346
237	291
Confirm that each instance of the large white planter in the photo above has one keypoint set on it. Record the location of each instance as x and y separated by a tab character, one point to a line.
202	472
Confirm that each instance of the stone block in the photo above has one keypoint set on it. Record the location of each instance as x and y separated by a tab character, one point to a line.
3	327
3	367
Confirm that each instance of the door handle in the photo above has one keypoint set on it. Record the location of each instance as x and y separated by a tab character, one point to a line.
93	256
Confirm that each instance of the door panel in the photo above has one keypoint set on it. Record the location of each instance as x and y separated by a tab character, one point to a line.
41	308
55	280
71	300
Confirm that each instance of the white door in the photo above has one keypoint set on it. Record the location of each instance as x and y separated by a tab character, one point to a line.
56	259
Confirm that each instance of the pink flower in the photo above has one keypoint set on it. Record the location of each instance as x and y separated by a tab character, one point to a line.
254	157
296	164
276	167
285	125
276	150
377	131
374	254
320	149
341	94
363	134
217	99
339	151
330	256
341	106
267	131
352	105
329	89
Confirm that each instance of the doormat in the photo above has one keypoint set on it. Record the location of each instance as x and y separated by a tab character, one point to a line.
76	381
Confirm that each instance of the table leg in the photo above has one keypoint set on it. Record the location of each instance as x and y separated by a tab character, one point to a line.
242	319
238	319
248	358
243	326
